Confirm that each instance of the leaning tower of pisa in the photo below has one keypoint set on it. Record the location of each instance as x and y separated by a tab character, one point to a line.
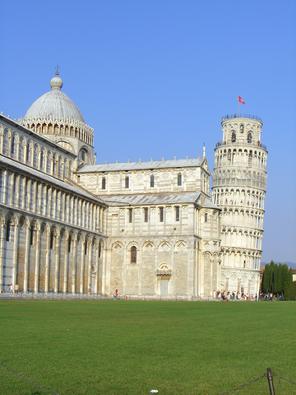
239	187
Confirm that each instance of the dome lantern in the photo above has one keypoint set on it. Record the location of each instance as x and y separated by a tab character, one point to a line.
56	82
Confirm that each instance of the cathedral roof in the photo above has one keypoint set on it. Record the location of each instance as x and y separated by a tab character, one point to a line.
54	105
151	198
158	198
153	164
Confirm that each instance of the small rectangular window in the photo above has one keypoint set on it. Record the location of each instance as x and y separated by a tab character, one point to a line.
130	215
179	179
126	182
152	181
12	145
8	231
146	214
31	236
206	217
177	213
160	214
51	241
103	183
134	254
28	152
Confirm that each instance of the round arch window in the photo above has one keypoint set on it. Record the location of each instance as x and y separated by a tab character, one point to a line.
83	155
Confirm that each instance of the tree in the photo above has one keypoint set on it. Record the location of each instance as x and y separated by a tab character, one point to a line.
277	279
266	279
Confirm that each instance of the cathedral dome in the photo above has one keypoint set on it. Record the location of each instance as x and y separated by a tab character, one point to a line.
54	105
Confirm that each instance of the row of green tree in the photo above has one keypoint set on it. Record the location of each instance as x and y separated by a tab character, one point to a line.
278	280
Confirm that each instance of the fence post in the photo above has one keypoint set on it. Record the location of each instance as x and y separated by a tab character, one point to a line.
270	381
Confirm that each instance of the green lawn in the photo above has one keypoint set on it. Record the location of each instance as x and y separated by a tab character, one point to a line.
131	347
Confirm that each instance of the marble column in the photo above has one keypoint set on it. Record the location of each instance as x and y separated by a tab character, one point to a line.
37	256
17	190
4	193
10	190
96	265
1	140
83	241
23	194
27	251
29	196
15	252
47	257
57	260
44	169
74	262
89	265
25	152
31	160
2	238
66	246
17	147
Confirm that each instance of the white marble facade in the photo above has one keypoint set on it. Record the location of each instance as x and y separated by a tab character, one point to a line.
146	229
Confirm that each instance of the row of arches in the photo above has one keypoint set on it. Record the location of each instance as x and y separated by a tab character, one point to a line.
240	191
240	178
150	267
162	245
233	156
25	150
236	217
238	197
242	127
239	173
241	259
242	231
236	251
40	257
38	197
249	137
249	239
68	128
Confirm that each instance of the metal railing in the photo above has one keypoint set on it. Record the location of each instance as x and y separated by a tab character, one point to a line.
237	143
237	115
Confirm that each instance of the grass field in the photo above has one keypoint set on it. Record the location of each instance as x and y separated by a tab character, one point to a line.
131	347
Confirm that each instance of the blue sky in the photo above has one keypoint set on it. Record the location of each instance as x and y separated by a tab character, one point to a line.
154	79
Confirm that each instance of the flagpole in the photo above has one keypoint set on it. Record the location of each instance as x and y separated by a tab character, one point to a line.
240	101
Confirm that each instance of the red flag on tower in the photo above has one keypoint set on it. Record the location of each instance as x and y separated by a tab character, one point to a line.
241	100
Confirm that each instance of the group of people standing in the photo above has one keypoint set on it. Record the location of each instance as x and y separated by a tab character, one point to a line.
225	296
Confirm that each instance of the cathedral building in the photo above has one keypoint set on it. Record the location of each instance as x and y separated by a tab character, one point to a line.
142	229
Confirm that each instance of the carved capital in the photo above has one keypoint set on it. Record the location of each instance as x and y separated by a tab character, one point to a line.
2	222
66	234
37	226
15	220
27	223
57	232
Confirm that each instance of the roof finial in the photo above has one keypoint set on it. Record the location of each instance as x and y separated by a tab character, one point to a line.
56	82
204	150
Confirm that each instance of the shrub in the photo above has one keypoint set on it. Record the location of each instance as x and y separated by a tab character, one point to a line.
290	292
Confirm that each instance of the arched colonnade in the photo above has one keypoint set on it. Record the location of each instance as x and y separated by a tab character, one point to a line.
40	256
